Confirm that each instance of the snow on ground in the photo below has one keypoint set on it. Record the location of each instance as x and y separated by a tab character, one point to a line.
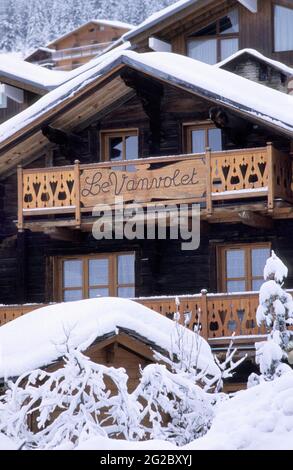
37	338
260	418
104	443
6	443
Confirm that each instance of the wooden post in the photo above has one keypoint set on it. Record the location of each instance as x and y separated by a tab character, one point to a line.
204	313
20	198
77	193
21	253
209	206
271	185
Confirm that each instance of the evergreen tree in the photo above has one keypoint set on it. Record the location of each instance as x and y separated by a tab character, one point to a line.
32	23
275	310
9	33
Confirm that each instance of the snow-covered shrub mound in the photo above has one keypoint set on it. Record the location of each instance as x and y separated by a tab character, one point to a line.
6	444
260	418
38	338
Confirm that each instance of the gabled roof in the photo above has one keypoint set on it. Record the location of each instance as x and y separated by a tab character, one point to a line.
202	79
112	23
83	323
26	76
40	80
172	11
285	69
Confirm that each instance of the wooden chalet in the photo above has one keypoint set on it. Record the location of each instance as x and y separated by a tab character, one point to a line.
80	45
153	114
22	84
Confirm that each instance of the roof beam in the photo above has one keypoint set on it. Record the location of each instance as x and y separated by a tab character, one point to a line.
251	5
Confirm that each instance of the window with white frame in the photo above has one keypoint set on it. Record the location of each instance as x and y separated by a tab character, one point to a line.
3	97
217	41
283	28
89	276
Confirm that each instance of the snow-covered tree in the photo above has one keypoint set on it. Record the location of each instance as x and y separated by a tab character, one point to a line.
29	24
185	351
70	404
180	395
275	310
8	31
177	409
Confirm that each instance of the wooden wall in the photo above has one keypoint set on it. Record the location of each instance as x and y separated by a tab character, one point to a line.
162	268
26	273
87	35
252	69
256	30
14	108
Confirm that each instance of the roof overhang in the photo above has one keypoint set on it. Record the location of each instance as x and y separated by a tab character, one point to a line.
105	87
26	85
251	5
175	13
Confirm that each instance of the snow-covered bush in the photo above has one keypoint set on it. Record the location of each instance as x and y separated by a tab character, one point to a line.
275	310
176	409
179	399
185	352
73	403
174	400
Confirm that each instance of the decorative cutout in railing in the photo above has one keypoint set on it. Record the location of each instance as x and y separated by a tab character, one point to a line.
239	170
48	189
282	171
250	173
232	314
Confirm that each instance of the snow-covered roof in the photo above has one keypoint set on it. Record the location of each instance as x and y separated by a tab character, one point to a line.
112	23
37	339
225	88
252	52
171	10
113	53
29	75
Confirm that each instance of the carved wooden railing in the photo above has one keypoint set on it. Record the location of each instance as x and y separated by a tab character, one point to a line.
11	312
239	170
230	175
217	315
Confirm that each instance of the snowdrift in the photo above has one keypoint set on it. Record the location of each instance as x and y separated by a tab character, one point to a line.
260	418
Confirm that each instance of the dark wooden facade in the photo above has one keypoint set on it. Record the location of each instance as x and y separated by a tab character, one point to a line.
26	273
14	108
256	30
161	267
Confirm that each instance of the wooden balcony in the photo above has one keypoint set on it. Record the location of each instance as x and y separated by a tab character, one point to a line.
227	184
219	316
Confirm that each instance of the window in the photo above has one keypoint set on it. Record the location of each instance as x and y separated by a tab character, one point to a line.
119	145
199	137
3	97
86	277
283	32
241	267
217	41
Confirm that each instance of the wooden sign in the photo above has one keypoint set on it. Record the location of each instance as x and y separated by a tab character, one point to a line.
184	179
